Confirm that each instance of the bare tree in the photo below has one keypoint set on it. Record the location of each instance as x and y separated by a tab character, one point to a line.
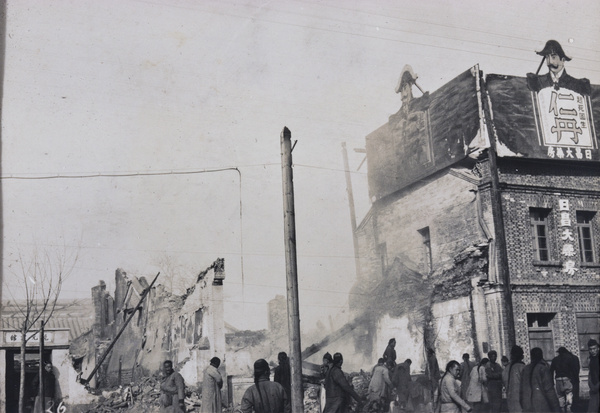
174	273
39	279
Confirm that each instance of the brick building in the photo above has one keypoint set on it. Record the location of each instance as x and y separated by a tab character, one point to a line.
484	227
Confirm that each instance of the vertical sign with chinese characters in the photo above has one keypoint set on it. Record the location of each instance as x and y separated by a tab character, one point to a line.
567	250
564	122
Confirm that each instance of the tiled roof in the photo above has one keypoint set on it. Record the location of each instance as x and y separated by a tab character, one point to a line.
76	315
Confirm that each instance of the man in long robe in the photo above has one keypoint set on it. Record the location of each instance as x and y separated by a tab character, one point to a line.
465	374
211	388
402	382
493	372
379	386
172	389
337	388
264	396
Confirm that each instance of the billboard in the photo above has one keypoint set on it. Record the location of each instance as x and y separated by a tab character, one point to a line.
552	123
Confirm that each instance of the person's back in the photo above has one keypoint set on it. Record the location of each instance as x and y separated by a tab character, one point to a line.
282	373
337	388
537	388
264	396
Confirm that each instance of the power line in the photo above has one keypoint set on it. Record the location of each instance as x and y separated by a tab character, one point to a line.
157	173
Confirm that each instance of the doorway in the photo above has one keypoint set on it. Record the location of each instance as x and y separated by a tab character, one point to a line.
13	375
540	327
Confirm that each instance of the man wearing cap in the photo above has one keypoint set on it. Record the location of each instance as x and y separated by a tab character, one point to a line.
593	379
557	76
211	388
337	388
561	370
265	396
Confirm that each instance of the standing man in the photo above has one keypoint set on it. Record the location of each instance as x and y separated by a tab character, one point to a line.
283	373
557	76
337	388
402	381
49	389
379	387
537	387
172	389
211	388
432	371
593	379
575	368
465	375
494	376
390	353
561	370
265	396
512	377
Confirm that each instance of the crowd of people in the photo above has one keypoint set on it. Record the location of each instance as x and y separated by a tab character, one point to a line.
480	387
485	386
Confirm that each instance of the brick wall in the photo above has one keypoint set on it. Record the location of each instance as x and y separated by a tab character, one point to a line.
543	286
446	204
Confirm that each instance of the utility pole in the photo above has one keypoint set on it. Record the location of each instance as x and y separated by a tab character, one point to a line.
352	209
289	217
42	390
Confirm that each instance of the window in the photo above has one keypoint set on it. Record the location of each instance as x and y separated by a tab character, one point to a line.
586	237
427	257
588	326
539	227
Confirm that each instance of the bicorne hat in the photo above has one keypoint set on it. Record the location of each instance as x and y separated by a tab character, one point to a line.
552	46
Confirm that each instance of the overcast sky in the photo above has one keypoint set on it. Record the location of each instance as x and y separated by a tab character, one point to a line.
173	91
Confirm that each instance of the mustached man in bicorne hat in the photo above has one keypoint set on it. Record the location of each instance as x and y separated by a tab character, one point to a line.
557	76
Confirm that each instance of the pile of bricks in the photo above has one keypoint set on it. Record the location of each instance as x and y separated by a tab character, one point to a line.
142	396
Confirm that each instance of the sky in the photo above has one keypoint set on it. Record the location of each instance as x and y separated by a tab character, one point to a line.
134	130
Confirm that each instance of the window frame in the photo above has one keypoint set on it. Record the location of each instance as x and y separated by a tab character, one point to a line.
588	216
539	218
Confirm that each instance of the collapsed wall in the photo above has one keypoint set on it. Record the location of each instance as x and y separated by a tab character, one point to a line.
187	329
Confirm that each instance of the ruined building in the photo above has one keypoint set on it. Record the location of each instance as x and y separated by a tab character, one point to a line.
188	329
484	226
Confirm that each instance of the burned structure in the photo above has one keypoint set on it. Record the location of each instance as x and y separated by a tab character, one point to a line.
187	329
484	225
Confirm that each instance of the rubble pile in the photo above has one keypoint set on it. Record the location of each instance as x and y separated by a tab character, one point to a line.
360	381
142	396
312	394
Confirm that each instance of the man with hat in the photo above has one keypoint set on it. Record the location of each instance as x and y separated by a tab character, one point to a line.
593	379
337	388
557	76
211	388
561	369
265	396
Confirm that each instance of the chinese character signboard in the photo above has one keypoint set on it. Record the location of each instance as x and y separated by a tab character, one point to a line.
551	123
563	119
15	337
567	250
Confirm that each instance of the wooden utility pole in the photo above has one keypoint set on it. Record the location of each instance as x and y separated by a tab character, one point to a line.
289	217
42	390
352	209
